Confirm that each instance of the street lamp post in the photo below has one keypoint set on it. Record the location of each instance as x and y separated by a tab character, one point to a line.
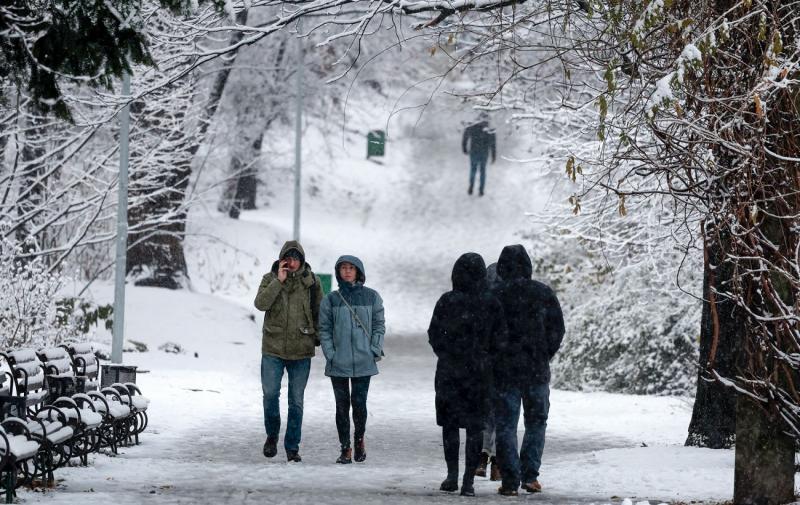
298	132
122	226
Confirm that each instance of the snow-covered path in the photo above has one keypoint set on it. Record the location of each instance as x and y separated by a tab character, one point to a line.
204	442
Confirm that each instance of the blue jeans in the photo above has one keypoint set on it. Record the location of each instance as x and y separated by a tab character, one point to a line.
522	466
477	161
271	376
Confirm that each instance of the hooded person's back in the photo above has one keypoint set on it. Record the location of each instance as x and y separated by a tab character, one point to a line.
534	320
462	327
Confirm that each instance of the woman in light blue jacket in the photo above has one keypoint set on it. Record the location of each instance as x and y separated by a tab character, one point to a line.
351	328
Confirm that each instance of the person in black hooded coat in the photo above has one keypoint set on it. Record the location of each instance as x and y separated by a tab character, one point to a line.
464	322
522	367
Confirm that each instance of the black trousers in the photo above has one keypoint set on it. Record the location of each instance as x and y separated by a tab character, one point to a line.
451	442
350	391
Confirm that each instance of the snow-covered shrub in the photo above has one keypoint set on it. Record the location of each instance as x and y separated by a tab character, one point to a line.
32	312
27	299
626	332
629	297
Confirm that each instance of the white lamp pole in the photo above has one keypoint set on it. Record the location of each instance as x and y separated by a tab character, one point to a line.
122	226
298	132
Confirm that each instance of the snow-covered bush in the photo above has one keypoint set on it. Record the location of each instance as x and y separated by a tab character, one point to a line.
32	312
27	299
629	329
629	295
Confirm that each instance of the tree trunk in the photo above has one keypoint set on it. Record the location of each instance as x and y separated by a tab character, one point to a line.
156	252
158	189
246	179
764	471
240	193
713	423
31	192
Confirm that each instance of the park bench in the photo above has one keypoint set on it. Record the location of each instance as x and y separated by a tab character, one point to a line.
17	445
48	424
66	388
112	418
87	368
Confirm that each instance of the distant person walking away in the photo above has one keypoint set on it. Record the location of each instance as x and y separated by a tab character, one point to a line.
488	453
351	334
464	322
522	368
290	294
478	141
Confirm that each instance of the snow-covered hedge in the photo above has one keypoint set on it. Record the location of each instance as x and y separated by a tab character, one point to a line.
629	296
629	330
626	333
33	313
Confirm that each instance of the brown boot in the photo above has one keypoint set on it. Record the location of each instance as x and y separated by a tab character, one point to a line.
494	473
361	451
346	457
532	487
481	470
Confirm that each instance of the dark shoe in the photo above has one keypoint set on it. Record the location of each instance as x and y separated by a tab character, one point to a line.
271	447
449	485
346	456
469	191
494	473
480	193
293	457
507	491
481	470
532	487
467	490
361	451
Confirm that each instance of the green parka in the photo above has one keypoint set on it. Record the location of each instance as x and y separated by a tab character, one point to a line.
291	322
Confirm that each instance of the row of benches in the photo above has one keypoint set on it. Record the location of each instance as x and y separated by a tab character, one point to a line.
53	409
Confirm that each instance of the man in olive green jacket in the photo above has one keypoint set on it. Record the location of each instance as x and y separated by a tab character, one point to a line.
290	294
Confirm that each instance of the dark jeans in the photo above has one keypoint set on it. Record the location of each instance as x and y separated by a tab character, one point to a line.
472	452
522	466
477	161
271	376
357	397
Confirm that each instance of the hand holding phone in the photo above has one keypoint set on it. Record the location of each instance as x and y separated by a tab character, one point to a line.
282	270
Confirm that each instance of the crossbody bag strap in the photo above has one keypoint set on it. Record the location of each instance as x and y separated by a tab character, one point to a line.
353	312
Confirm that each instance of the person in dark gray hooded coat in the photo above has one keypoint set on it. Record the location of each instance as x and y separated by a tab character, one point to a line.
351	330
522	367
464	322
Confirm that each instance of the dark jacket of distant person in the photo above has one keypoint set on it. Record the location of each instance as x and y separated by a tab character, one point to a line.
464	322
534	319
479	140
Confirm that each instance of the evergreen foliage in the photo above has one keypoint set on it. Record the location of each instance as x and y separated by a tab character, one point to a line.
91	42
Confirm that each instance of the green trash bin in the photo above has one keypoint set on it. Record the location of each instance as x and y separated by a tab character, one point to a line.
376	143
326	281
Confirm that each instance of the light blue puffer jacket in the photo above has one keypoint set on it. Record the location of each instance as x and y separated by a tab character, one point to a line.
349	350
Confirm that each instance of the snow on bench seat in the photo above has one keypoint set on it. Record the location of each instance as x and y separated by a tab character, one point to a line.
19	446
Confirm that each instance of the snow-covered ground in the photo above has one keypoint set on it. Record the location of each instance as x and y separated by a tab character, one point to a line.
408	219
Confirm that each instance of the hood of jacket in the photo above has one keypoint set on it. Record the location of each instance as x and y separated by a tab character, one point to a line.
469	273
514	263
361	276
288	246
